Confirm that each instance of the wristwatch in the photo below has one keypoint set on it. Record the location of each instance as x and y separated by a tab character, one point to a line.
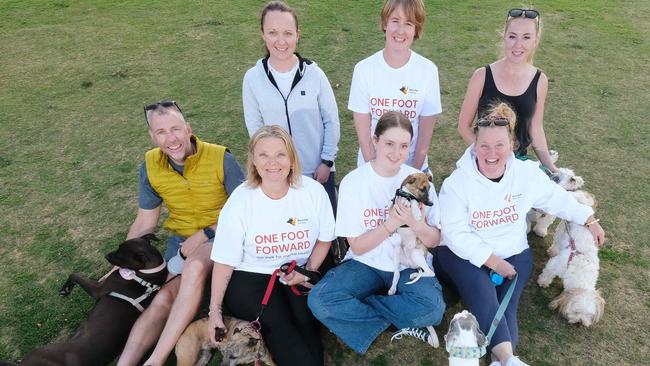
329	163
208	232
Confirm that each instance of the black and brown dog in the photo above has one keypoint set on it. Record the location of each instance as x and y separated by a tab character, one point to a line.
120	299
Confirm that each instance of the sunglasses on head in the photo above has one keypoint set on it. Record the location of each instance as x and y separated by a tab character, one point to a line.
487	122
528	13
167	103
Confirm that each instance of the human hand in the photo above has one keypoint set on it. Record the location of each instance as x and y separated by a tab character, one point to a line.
192	242
322	173
216	328
598	233
505	269
294	278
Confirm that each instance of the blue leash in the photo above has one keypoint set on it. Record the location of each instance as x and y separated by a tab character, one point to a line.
480	351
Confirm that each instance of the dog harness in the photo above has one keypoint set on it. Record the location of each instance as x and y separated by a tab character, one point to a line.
129	274
480	351
571	246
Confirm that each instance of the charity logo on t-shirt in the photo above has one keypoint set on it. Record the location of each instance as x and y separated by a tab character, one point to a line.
487	219
294	240
374	217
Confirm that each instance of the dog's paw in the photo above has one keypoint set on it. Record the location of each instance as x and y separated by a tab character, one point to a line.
66	289
540	232
552	251
392	290
543	281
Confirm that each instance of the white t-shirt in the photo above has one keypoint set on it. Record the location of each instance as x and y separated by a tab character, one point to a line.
412	89
284	79
258	234
364	201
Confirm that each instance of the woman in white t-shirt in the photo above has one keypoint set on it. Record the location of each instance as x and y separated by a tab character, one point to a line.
351	300
275	217
397	79
286	89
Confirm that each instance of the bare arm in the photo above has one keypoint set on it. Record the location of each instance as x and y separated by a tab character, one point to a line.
537	135
470	105
221	275
362	122
145	222
425	132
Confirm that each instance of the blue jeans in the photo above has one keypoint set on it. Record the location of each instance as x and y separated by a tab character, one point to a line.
330	188
173	244
351	301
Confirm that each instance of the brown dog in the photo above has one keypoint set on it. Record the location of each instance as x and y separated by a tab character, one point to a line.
103	335
241	344
410	251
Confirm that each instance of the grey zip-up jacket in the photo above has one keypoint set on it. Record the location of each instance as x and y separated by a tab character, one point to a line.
309	113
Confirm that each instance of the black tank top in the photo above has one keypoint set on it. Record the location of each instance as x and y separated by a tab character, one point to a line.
523	105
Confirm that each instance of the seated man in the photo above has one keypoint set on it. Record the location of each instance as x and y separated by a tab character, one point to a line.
193	178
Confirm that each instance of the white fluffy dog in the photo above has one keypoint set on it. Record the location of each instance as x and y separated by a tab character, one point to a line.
410	251
464	340
575	260
538	220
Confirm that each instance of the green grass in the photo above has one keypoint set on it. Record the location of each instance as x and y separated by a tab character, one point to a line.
74	76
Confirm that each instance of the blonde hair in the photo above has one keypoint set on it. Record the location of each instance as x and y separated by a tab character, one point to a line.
413	9
274	131
496	111
538	34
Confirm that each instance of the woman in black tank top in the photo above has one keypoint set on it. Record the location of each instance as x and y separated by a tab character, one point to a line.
514	80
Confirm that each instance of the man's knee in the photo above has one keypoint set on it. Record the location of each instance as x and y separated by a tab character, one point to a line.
196	269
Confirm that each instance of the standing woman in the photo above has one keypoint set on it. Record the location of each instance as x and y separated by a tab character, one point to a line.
287	90
485	201
351	300
514	80
397	79
276	216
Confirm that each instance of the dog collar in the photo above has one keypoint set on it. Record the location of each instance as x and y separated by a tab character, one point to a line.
401	192
467	352
154	270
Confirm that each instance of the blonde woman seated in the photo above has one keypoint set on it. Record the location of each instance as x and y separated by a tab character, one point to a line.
484	204
274	217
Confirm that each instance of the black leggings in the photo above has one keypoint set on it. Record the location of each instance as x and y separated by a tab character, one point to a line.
289	329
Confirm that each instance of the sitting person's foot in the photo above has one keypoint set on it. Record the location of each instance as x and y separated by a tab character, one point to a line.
427	335
515	361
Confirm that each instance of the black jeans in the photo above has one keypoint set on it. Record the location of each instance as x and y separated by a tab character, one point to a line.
290	331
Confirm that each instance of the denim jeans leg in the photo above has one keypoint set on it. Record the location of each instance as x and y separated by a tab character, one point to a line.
419	304
337	301
173	244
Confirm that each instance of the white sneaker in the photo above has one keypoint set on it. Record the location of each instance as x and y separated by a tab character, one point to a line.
515	361
422	334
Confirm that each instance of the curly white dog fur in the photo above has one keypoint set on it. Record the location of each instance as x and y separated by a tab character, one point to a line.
410	251
538	220
575	260
464	340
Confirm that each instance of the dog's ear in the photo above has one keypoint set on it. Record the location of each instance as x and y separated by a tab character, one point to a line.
150	237
481	339
430	178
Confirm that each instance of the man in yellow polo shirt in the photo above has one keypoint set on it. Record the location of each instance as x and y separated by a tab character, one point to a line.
193	179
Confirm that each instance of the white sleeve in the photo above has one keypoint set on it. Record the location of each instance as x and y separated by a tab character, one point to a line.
359	100
228	245
433	217
347	212
330	116
252	113
456	231
552	198
325	216
432	104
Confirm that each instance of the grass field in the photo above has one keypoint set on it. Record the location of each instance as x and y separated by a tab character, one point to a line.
75	74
